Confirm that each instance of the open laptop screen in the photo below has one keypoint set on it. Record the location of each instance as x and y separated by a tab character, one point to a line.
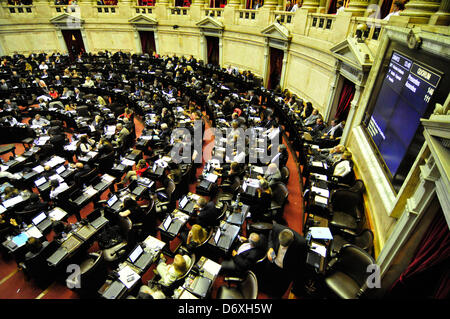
60	169
183	201
112	200
40	181
217	236
36	220
136	253
167	223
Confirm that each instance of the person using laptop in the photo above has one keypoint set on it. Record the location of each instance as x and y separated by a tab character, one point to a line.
207	213
132	210
57	188
246	256
169	273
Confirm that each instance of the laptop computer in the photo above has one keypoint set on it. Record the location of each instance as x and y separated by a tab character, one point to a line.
139	258
171	225
114	203
99	222
221	239
114	290
41	221
40	181
57	256
200	286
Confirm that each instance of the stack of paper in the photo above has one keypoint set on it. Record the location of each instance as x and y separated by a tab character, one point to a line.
128	276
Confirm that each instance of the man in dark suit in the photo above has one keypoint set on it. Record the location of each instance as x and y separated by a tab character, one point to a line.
246	256
207	214
286	259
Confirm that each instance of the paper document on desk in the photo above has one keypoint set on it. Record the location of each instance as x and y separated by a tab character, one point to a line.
38	169
258	169
211	267
108	178
4	168
92	154
154	243
315	147
57	177
57	213
211	178
127	162
2	209
253	182
320	249
33	232
90	191
317	164
20	159
321	200
128	276
321	233
321	191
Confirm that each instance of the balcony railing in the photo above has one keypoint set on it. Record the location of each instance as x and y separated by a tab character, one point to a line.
144	9
65	8
21	10
284	16
374	27
247	14
178	11
107	10
213	12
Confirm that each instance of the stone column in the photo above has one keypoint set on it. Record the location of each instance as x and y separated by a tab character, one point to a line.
420	11
357	7
442	17
270	4
234	3
311	5
323	6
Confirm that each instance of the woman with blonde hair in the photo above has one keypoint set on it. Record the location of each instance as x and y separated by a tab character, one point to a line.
170	273
197	236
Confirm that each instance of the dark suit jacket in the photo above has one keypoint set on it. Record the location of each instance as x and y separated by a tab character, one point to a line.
247	259
208	215
295	257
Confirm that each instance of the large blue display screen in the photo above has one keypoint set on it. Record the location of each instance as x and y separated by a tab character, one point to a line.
402	100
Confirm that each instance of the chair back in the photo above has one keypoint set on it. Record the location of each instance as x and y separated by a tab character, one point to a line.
285	173
353	261
365	240
280	193
347	201
249	287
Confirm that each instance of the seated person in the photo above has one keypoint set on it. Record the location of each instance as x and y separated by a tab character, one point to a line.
121	134
146	292
132	210
207	213
57	188
263	202
34	246
333	131
196	236
88	83
246	256
313	132
80	170
85	145
272	174
140	168
343	167
38	121
170	273
281	157
128	113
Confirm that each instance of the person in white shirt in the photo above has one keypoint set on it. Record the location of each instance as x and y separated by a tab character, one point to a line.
294	7
39	121
340	7
57	188
343	168
88	83
398	7
170	273
43	66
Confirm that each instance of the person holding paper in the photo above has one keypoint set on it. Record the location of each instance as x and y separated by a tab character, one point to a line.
286	259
